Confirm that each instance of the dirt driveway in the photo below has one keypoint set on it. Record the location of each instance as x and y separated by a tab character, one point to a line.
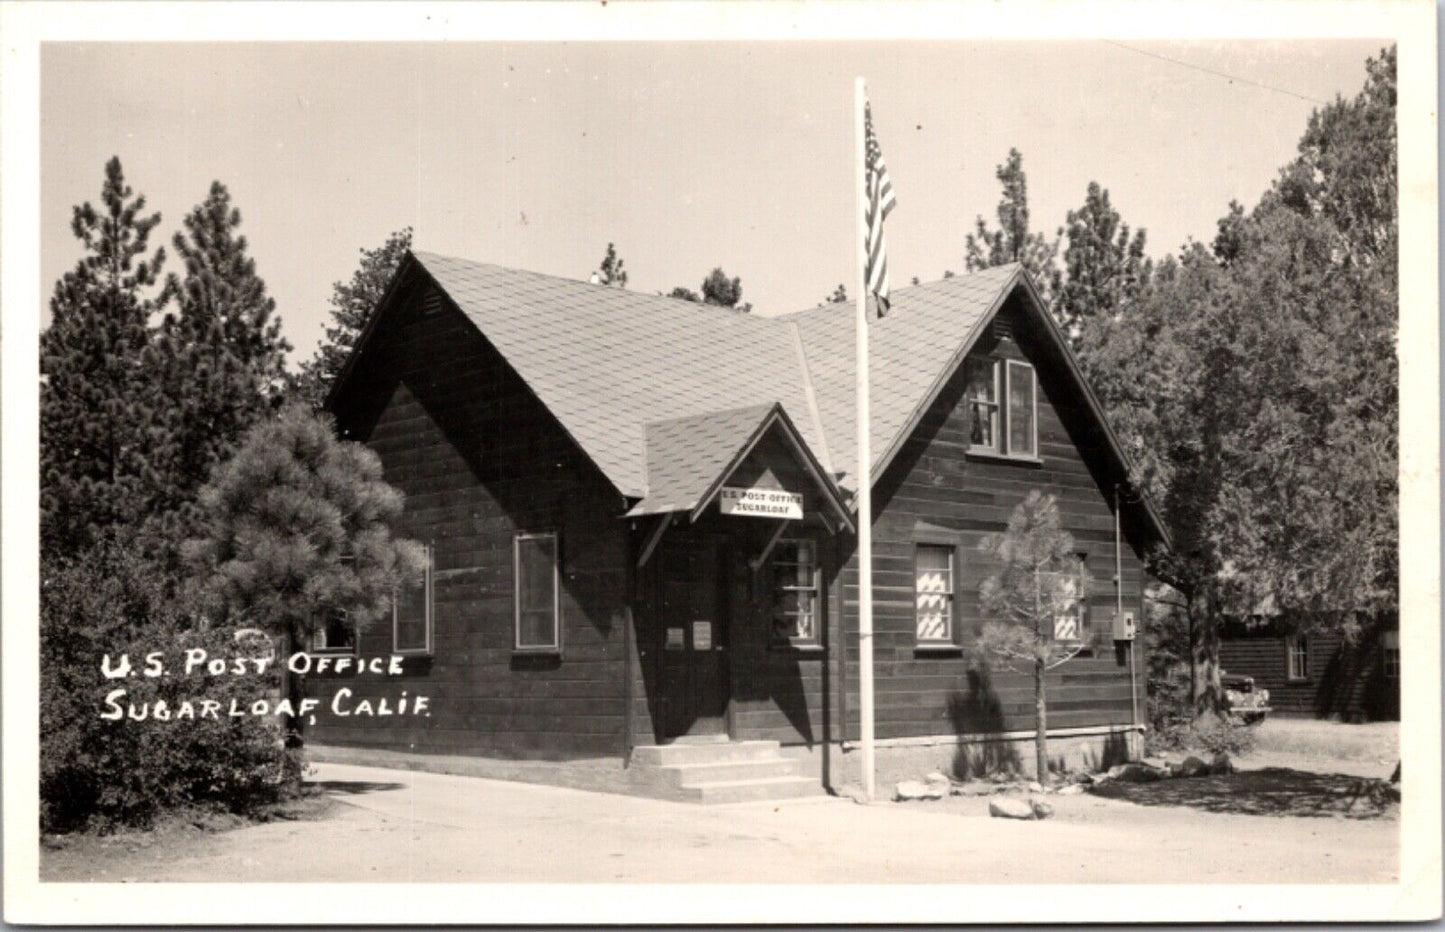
414	827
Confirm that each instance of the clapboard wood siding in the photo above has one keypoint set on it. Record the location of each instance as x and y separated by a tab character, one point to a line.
1345	681
935	485
480	460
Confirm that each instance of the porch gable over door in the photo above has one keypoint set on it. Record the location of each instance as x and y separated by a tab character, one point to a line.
693	462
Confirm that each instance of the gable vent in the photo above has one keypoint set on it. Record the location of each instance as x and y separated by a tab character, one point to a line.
1002	329
431	303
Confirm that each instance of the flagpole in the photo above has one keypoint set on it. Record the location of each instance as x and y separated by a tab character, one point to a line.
865	457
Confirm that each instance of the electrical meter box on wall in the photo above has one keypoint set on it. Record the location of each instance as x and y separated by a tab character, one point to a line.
1124	626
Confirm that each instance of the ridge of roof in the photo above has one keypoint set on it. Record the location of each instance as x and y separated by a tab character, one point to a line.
423	255
909	292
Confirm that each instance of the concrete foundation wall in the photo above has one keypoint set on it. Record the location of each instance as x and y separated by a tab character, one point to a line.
968	756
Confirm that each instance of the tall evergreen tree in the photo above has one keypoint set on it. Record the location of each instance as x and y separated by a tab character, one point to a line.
352	304
1104	266
1013	241
101	431
221	354
611	271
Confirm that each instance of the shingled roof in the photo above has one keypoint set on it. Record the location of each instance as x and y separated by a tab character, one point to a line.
609	362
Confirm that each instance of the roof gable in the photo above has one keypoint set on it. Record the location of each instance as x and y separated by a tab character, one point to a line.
912	352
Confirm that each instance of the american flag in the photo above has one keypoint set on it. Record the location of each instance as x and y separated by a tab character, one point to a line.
881	202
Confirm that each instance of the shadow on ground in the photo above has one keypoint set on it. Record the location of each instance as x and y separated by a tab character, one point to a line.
353	787
1273	791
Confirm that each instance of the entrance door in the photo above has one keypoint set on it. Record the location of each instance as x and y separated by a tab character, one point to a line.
694	633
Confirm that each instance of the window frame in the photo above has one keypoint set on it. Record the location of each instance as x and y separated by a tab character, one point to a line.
997	448
795	642
350	651
429	598
1297	643
1081	611
324	650
1390	656
1007	435
949	642
1002	448
556	646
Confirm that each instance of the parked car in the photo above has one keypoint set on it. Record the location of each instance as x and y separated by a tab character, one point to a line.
1244	704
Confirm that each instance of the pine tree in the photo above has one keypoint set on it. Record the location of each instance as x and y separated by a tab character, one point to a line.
611	271
221	355
220	358
352	304
1104	265
296	527
1038	581
1012	241
101	413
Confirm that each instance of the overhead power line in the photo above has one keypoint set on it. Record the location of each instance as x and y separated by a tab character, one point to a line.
1217	74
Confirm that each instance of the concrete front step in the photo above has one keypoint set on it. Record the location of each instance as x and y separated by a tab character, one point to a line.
667	755
724	771
739	791
720	772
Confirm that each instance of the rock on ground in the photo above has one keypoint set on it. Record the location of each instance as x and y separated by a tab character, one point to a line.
1042	810
1073	789
1006	807
1192	767
917	789
1221	765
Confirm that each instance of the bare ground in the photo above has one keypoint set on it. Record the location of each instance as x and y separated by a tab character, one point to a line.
1272	824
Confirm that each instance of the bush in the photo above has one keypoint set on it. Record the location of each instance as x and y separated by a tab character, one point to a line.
104	774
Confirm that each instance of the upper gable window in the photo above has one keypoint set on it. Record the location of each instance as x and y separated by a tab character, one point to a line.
983	413
1022	410
1003	408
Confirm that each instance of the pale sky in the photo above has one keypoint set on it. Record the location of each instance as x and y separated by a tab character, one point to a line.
686	155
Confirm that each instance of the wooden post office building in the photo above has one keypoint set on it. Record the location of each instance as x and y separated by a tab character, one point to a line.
638	511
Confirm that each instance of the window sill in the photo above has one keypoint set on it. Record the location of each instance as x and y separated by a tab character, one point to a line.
537	652
939	650
992	456
1297	680
808	650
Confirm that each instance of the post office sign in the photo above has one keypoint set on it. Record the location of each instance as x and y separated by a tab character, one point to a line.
702	635
675	639
761	503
